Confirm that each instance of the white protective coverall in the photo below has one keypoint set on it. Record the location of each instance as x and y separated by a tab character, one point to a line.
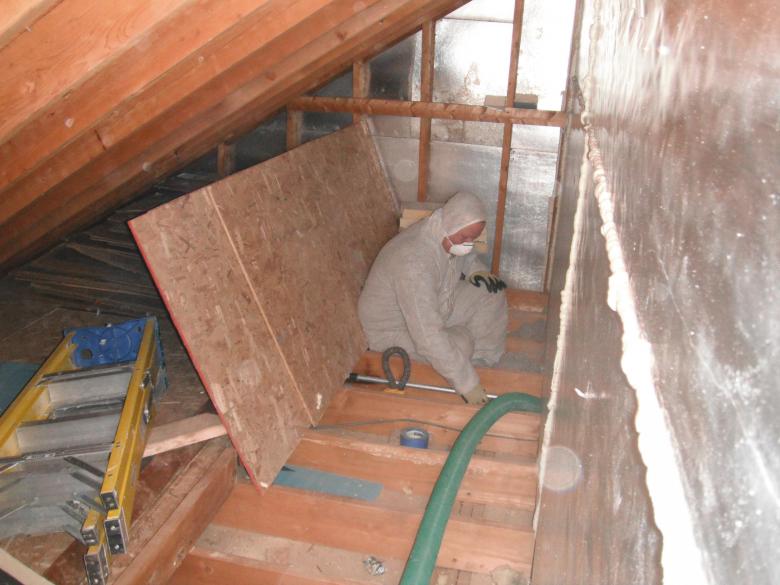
414	298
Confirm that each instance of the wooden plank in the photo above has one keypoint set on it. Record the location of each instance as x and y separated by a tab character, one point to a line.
108	93
166	532
55	59
293	129
176	141
360	81
534	349
506	143
207	567
358	526
414	471
20	15
273	559
425	109
13	567
180	433
426	95
226	159
281	248
254	394
495	381
515	434
527	300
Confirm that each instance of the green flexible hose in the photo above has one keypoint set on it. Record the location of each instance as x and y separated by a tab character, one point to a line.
422	559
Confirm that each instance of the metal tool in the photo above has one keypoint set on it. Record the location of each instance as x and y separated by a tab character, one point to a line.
403	382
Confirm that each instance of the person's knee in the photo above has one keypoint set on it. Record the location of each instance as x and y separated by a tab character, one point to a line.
462	339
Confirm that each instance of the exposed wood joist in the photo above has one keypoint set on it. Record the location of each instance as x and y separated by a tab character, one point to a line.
360	81
226	159
506	144
495	381
371	529
18	16
180	433
439	110
514	435
210	94
426	95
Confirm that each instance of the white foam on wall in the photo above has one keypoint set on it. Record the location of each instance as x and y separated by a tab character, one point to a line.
681	557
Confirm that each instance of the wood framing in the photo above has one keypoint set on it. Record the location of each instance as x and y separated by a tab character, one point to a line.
426	95
167	105
360	81
506	143
187	431
226	159
439	110
246	267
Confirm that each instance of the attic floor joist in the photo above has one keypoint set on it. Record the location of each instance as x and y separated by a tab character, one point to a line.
158	87
302	536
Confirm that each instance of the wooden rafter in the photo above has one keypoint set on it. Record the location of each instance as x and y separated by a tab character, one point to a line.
426	95
506	143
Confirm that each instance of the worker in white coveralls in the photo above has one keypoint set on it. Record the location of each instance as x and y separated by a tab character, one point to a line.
429	294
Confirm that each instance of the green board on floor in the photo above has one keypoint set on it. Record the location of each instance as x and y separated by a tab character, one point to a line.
13	377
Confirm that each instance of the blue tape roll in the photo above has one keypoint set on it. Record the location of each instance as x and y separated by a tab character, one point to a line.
412	437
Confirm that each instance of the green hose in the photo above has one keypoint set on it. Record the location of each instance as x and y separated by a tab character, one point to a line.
422	559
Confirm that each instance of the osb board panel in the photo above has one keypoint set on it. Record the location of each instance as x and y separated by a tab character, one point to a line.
213	307
261	273
307	226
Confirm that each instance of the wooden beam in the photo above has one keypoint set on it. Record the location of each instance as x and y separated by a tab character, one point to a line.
226	159
414	471
439	110
104	30
426	95
506	143
191	49
189	130
360	80
163	535
23	574
187	431
369	529
495	381
18	16
293	128
527	300
515	434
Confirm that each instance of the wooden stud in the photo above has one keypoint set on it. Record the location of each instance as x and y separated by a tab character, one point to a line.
202	119
414	471
180	433
371	529
439	110
426	95
506	143
18	16
226	159
514	435
293	128
360	80
21	573
496	381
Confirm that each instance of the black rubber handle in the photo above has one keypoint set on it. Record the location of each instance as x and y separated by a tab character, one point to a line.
392	382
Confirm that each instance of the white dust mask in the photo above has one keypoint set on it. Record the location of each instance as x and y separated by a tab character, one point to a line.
460	249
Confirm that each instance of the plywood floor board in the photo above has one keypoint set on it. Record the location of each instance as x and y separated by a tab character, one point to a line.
261	273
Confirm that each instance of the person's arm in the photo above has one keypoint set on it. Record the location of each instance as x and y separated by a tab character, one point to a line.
419	304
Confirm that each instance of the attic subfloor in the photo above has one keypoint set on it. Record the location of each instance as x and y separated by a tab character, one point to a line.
288	534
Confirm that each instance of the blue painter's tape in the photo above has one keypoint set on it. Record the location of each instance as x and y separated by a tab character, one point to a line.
412	437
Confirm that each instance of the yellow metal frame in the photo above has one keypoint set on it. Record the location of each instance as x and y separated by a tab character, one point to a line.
97	558
124	462
33	402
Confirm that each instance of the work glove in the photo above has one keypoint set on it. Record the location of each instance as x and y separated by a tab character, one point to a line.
476	395
492	282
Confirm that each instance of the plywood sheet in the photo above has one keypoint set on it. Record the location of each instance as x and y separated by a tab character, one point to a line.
261	273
